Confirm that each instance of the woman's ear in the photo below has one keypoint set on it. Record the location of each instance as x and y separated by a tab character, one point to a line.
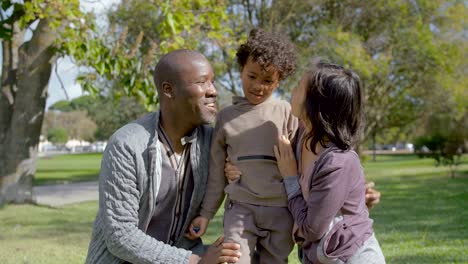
167	90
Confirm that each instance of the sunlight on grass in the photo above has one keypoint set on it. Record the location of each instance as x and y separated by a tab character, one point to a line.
68	168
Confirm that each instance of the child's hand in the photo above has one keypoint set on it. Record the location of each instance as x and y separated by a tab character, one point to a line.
372	195
284	154
197	228
231	172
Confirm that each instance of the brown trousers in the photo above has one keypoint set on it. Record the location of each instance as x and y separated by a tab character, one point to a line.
264	229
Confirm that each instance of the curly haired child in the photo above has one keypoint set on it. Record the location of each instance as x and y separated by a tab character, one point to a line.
256	214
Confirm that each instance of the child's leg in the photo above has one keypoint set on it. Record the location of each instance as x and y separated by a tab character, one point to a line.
239	227
369	253
276	244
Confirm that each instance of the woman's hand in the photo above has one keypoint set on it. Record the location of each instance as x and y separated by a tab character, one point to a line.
284	154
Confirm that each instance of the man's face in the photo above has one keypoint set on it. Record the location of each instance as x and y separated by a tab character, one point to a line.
195	93
258	83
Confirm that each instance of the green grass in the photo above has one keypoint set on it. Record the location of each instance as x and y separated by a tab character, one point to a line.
34	234
68	168
422	218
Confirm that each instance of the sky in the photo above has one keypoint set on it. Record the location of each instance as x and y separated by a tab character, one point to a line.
65	67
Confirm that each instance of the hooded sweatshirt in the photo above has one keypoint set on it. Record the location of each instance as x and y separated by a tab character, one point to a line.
246	133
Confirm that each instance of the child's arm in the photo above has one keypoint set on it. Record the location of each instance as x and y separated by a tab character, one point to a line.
214	194
197	228
372	195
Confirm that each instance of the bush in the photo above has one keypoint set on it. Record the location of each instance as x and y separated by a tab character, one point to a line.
57	135
445	150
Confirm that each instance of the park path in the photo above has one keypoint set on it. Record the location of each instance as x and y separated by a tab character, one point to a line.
64	194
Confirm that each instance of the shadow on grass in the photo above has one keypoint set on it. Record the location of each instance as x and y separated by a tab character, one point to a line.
74	220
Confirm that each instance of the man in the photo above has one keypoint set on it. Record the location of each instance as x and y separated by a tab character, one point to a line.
154	171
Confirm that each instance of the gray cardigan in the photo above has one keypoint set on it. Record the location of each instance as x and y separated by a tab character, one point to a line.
128	186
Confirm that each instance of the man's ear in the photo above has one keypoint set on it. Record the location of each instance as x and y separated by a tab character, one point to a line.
167	90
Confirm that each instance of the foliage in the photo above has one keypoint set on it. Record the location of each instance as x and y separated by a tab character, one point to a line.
122	58
409	54
107	113
57	135
444	140
444	150
76	123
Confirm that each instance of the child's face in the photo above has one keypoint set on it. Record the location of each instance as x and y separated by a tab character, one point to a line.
258	84
298	98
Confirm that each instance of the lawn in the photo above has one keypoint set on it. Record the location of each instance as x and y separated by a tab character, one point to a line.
67	168
422	218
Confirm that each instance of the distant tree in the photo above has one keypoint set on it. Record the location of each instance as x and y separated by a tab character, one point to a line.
76	123
62	105
112	115
444	139
409	54
85	102
107	113
57	135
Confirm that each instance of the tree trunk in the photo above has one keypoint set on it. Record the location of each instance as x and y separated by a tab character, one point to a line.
24	91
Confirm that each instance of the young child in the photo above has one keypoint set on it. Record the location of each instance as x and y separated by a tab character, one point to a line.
327	199
256	214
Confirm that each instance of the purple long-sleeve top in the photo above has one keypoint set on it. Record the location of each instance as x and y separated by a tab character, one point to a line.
333	186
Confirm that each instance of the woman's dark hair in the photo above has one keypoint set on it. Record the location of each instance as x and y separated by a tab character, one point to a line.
268	49
333	105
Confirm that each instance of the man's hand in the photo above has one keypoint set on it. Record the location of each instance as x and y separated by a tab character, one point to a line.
220	252
231	172
197	228
372	195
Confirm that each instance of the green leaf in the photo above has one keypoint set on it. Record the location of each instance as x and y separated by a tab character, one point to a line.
170	22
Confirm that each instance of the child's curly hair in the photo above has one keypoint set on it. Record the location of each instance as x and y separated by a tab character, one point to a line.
268	49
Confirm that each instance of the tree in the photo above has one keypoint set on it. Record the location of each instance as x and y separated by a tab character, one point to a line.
408	53
26	69
120	61
107	113
57	135
77	124
59	28
444	138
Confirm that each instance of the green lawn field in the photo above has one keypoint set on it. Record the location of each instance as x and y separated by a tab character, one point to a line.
68	168
422	217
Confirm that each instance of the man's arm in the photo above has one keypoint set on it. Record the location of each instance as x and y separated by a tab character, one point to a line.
119	202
